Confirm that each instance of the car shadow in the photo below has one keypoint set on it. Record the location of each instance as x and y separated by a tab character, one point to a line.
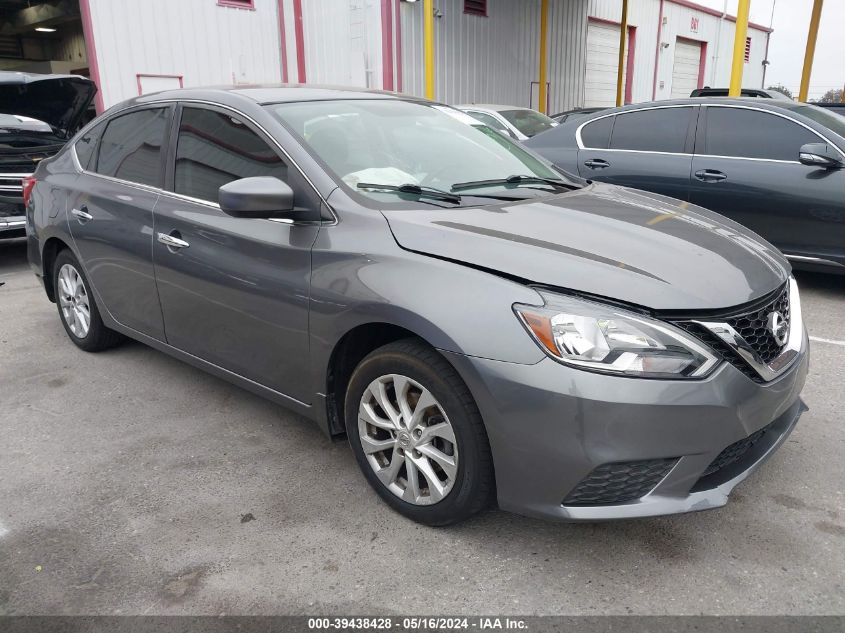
12	256
829	285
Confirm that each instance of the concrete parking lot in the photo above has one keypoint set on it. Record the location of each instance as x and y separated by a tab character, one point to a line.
131	483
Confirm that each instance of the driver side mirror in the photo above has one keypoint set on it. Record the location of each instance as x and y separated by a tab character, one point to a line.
257	197
820	155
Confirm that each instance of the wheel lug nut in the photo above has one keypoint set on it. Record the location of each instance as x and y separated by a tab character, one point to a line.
418	433
417	453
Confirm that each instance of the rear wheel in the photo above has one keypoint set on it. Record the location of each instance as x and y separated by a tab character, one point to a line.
417	434
77	307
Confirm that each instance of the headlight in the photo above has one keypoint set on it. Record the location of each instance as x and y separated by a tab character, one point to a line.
608	339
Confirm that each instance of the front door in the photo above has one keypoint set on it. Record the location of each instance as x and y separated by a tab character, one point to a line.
647	149
236	293
110	214
746	167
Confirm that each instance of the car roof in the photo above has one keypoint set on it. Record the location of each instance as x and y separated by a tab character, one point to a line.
264	94
757	102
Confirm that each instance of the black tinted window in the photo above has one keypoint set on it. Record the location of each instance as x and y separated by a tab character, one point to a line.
597	133
658	130
131	147
215	149
86	146
754	134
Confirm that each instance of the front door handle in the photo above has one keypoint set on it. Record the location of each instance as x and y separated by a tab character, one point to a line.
82	215
596	163
172	242
710	175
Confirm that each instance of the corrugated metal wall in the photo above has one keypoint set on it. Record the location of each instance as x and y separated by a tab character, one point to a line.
206	43
343	42
495	59
567	54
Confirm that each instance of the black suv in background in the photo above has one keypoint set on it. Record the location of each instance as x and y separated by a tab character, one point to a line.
775	166
38	114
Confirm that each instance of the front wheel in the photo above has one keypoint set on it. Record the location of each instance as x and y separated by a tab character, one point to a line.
417	434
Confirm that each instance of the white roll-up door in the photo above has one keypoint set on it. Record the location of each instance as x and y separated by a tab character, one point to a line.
686	67
602	65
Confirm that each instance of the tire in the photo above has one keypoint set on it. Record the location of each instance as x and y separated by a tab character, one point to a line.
463	468
74	297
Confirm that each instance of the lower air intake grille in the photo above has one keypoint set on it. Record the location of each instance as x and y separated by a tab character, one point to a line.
735	451
619	483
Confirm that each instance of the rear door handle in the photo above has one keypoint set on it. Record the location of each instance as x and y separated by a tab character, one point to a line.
596	163
82	215
710	175
172	242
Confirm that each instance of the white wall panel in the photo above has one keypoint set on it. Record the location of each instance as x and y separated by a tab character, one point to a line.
342	42
495	59
205	43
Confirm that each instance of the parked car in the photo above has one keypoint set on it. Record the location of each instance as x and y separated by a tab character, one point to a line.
570	115
773	166
518	123
838	108
38	114
707	91
477	325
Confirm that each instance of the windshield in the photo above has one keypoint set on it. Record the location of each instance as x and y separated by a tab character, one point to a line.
832	121
410	147
528	122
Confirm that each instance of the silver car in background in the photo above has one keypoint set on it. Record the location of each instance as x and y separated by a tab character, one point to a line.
518	123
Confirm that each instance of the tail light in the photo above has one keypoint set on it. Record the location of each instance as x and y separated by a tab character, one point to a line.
28	186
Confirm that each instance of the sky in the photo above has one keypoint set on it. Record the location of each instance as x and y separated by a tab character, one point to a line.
786	50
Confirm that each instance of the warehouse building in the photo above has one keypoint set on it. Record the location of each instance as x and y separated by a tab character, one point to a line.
485	50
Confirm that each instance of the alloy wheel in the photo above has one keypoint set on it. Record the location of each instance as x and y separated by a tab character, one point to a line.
73	300
408	440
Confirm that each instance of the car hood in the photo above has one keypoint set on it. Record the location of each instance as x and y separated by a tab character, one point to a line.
59	100
631	246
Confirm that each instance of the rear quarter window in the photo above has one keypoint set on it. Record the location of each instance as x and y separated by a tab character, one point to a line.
596	134
86	146
131	148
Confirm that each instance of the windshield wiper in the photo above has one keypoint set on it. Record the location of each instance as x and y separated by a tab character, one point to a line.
415	190
512	180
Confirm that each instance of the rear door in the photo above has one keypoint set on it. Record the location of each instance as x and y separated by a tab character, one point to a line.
236	294
647	149
746	167
110	213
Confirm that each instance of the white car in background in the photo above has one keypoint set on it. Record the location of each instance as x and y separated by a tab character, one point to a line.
518	123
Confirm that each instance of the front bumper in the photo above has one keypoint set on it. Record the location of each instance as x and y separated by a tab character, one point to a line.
551	426
12	220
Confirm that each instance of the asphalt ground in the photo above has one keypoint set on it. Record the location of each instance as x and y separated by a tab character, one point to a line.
131	483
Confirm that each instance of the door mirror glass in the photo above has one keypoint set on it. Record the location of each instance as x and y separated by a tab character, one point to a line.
819	155
257	197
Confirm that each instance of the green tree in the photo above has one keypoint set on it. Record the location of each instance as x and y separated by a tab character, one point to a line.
832	96
783	89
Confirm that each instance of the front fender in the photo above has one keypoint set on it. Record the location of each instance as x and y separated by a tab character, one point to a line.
452	307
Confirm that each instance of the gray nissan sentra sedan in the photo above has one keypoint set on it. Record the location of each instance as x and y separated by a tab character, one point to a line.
482	327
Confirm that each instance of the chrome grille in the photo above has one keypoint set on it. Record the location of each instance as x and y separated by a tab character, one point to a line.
752	325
